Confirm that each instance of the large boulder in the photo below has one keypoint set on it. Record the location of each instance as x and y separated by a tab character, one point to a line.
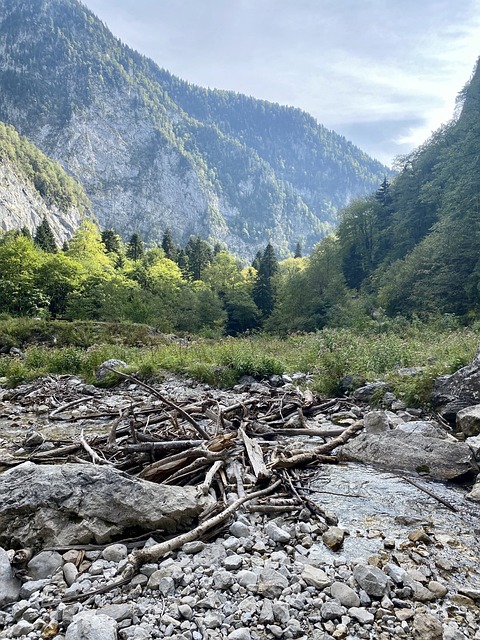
442	459
60	505
468	420
454	392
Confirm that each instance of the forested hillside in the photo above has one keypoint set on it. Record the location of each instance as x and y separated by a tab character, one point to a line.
154	152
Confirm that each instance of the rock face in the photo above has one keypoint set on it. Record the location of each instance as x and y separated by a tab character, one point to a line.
76	503
442	459
454	392
22	206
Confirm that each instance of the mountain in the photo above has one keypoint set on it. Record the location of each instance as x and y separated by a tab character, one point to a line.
154	152
33	187
415	243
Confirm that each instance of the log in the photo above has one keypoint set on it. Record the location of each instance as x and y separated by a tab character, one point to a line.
153	554
255	456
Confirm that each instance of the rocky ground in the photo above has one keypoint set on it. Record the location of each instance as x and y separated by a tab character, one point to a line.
384	561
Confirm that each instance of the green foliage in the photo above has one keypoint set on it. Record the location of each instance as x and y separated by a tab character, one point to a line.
44	237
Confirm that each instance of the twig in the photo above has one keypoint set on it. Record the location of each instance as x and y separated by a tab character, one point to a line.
206	484
95	457
447	504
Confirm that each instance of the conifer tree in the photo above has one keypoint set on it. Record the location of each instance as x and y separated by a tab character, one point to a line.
298	250
264	288
135	248
168	246
257	259
44	237
199	254
112	241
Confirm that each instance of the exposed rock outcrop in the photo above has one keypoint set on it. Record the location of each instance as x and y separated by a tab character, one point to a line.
454	392
80	503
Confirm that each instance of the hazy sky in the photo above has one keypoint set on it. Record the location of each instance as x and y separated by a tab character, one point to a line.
384	73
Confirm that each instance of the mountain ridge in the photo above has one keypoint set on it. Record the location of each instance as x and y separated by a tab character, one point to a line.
133	135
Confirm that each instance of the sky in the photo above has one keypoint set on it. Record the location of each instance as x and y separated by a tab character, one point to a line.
383	73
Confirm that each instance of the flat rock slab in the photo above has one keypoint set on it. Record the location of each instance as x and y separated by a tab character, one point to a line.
56	505
441	459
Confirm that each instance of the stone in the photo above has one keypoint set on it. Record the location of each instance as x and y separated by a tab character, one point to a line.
44	565
271	583
9	585
424	428
344	594
331	610
468	420
315	577
88	625
223	580
396	573
276	533
281	612
361	615
30	587
240	634
437	588
115	553
474	444
240	530
333	538
80	503
70	573
427	627
233	562
193	547
118	612
441	459
454	392
247	578
104	369
376	422
372	580
365	393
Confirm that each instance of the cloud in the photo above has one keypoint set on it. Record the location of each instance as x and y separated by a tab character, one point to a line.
350	64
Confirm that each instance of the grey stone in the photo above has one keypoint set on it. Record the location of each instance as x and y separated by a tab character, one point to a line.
104	369
70	573
118	612
365	393
468	420
213	619
396	449
424	428
240	530
331	610
80	503
223	580
247	578
315	577
271	583
9	585
474	444
88	625
266	612
185	611
28	588
276	533
396	573
233	562
376	422
454	392
344	594
281	612
240	634
362	615
193	547
372	580
22	628
212	555
115	553
44	565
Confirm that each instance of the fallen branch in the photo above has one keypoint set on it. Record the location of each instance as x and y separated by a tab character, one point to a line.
140	557
447	504
166	401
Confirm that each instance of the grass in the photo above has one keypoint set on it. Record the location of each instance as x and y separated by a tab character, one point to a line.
78	348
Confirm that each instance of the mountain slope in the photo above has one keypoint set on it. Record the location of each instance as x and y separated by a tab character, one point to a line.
154	152
32	188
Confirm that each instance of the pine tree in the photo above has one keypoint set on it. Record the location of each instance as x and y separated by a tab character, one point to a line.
135	248
168	245
199	254
257	260
298	250
264	288
44	237
112	241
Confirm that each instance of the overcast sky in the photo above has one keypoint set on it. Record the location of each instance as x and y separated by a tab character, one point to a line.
384	73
